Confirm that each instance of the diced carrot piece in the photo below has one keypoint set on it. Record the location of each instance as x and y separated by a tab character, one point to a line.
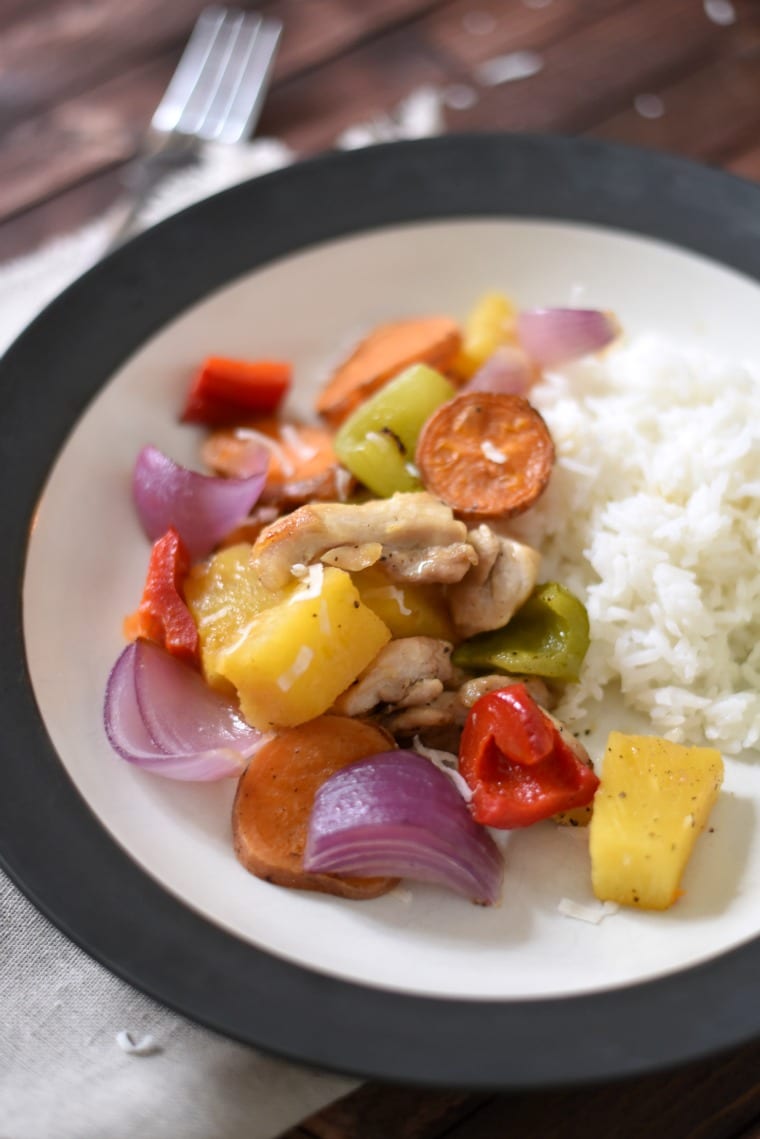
486	454
225	390
386	351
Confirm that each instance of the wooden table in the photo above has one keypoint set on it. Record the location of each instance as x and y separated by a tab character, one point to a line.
78	82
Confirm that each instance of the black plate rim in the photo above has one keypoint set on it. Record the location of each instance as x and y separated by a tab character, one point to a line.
57	851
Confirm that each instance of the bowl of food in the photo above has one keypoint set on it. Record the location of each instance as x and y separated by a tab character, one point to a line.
380	675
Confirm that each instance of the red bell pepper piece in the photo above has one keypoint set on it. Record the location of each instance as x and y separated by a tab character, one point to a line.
227	390
162	615
516	763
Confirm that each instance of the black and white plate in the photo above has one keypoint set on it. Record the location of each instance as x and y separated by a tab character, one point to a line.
418	985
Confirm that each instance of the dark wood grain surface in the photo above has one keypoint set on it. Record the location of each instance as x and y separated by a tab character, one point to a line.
79	80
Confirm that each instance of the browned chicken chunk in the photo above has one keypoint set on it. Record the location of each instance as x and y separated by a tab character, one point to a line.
406	672
493	590
415	536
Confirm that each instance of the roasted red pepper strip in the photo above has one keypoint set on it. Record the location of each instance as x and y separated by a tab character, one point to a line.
225	390
162	615
516	763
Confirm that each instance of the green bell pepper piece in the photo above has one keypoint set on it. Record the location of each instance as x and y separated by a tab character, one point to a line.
548	636
378	441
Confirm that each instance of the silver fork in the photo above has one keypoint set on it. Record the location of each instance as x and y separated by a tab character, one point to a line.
215	95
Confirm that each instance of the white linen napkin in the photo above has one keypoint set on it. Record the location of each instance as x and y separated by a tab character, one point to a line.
83	1055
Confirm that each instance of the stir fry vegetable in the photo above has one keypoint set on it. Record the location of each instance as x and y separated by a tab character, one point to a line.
275	798
378	441
340	617
548	636
162	615
517	764
224	390
486	454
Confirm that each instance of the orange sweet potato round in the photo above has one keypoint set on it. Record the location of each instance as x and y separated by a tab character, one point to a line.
381	355
270	816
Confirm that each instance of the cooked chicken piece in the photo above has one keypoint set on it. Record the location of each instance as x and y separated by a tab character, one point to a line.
494	589
572	741
353	558
406	672
473	689
575	816
418	526
446	711
432	563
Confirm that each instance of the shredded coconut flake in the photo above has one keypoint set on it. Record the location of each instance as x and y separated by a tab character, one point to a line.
396	595
343	481
145	1046
304	657
293	439
325	624
212	618
240	639
580	911
403	895
313	580
249	433
446	762
492	453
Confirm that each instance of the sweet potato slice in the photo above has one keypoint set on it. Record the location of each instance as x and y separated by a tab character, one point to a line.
386	351
303	466
486	454
270	816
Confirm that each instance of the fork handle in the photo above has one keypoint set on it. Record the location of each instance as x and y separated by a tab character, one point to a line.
163	155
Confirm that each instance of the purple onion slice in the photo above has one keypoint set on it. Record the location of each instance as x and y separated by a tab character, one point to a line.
507	371
397	814
553	336
160	715
201	508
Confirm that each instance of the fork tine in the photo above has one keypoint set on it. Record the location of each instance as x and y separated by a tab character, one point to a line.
218	89
246	96
192	64
220	56
229	76
216	93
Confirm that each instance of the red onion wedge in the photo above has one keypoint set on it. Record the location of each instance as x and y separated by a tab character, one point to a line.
162	716
554	336
508	371
396	814
202	508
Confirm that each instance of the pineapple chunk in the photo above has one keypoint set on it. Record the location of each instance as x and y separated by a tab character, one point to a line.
224	595
407	609
489	324
653	801
297	656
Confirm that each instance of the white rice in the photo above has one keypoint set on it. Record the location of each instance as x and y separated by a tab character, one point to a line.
652	517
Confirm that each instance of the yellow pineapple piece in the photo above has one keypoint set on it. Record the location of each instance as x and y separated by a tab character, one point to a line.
654	799
407	609
224	595
490	323
296	657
